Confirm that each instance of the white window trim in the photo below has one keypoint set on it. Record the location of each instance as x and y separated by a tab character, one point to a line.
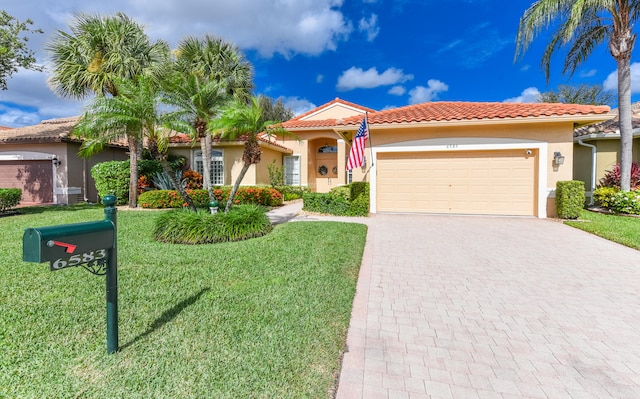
197	157
299	160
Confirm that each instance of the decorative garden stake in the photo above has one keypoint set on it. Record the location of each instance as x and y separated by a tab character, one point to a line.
91	245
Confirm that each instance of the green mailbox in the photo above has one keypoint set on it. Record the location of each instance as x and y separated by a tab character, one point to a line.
68	245
91	245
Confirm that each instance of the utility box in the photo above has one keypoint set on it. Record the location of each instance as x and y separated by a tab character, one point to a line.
69	244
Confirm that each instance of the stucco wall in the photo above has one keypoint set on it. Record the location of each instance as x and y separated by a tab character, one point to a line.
268	156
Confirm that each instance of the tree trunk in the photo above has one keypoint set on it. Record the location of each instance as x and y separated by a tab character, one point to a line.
133	171
626	127
234	189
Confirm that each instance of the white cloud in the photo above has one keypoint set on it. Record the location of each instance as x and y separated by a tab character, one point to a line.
528	95
298	105
588	74
357	78
611	82
397	90
319	78
370	27
421	94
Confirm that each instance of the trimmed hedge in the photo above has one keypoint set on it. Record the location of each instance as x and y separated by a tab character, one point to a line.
9	198
160	199
569	198
112	178
184	227
350	200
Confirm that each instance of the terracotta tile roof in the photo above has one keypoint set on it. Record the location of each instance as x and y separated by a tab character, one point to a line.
455	111
182	138
5	128
47	131
611	126
330	103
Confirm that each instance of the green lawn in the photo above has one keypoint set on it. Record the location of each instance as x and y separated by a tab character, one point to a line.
263	318
621	229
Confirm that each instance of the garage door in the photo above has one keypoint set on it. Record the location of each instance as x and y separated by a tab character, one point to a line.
473	182
35	178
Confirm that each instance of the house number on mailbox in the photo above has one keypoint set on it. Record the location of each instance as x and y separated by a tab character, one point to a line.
93	258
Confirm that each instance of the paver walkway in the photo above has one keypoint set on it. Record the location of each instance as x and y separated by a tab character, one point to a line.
489	307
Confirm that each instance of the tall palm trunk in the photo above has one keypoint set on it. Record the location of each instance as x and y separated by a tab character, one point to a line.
133	170
234	189
205	147
626	127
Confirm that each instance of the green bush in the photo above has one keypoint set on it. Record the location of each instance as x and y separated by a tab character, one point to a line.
325	203
148	168
626	202
604	195
569	198
112	178
349	200
185	227
9	198
290	193
160	199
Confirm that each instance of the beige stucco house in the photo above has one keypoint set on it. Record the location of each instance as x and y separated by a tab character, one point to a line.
226	159
443	157
42	160
597	148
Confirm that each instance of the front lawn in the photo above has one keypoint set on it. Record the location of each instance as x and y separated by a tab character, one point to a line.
621	229
263	318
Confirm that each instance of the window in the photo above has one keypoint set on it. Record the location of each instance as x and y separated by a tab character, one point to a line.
216	169
292	170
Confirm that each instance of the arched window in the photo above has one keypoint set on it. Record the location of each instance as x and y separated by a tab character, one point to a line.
216	168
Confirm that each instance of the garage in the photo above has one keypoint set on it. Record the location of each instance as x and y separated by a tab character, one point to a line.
491	182
34	177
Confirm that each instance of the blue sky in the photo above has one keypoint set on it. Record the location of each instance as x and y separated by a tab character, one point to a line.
377	53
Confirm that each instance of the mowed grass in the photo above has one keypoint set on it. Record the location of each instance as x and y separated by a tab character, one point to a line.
624	230
263	318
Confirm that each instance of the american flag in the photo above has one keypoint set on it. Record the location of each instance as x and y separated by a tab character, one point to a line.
356	155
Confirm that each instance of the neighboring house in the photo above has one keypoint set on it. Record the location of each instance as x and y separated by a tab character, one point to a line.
226	159
443	157
42	160
600	142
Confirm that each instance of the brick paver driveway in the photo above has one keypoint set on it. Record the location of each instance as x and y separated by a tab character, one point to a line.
474	307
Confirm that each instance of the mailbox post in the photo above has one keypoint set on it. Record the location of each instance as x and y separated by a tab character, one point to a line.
91	245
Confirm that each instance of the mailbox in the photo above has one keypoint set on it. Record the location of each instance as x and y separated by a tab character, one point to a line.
79	242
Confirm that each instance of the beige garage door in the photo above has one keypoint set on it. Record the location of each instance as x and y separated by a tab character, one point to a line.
35	178
473	182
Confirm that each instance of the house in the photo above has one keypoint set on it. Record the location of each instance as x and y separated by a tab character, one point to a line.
226	159
597	148
443	157
42	160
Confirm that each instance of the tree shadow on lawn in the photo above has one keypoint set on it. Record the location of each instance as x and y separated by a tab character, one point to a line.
167	316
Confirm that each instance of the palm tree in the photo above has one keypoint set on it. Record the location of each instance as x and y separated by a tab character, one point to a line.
134	112
244	121
98	51
583	25
209	73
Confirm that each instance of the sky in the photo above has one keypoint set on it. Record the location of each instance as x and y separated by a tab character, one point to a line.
377	53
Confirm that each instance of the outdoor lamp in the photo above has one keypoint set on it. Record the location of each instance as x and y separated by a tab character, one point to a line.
558	158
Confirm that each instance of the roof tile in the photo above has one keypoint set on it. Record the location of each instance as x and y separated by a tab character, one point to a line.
610	126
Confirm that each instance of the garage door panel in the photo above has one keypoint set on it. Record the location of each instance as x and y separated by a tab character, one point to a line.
480	182
34	178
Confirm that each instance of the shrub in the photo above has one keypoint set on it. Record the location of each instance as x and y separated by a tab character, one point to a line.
112	178
292	192
185	227
569	198
191	179
626	202
325	203
612	177
276	174
349	200
9	198
159	199
148	167
604	195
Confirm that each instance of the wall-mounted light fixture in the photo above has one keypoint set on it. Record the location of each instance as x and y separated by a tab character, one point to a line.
558	158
